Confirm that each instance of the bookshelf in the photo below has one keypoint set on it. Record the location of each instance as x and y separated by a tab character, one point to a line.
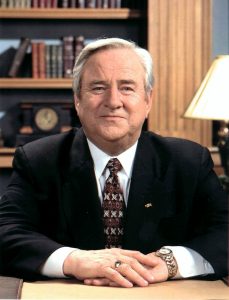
39	83
53	24
65	13
177	34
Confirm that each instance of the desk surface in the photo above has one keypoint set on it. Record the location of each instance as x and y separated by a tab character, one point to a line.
179	290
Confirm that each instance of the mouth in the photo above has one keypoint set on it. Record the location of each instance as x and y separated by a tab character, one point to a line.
112	117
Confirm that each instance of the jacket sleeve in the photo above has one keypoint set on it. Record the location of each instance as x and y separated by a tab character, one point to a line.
210	218
24	247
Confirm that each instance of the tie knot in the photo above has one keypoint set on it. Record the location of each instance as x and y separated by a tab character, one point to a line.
114	165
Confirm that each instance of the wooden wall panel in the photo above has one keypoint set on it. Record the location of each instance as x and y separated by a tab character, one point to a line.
179	39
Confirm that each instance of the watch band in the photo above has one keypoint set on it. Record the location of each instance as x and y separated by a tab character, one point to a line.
167	255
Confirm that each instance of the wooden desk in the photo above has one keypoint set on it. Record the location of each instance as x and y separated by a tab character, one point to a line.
170	290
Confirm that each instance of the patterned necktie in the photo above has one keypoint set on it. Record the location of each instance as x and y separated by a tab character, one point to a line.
113	206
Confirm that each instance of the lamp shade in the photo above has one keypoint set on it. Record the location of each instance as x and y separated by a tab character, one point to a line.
211	100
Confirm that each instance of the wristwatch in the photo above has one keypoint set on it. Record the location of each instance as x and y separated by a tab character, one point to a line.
167	255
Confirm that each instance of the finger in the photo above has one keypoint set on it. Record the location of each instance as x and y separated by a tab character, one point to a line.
132	275
142	270
140	257
116	277
97	281
100	282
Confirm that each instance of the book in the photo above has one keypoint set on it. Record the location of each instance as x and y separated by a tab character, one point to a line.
53	60
59	61
26	67
35	3
79	45
99	3
41	60
6	59
10	287
105	3
64	4
19	56
91	3
35	71
48	61
73	3
81	4
54	4
68	55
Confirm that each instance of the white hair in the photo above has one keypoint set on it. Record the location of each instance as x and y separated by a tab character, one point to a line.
112	43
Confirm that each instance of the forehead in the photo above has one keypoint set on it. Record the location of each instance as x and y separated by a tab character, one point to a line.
114	62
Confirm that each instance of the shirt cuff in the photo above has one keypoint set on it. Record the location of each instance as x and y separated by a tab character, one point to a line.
190	263
53	266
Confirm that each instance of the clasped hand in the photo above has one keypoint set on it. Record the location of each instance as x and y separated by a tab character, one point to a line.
100	267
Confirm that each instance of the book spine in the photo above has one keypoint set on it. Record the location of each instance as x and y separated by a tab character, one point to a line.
73	3
35	60
10	4
68	55
99	3
90	3
105	3
42	3
60	61
64	3
79	45
47	61
118	3
54	3
23	4
81	4
53	57
28	4
4	4
48	3
115	3
35	3
19	56
41	59
112	3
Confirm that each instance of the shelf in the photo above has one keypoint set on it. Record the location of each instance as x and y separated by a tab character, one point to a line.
68	13
30	83
6	157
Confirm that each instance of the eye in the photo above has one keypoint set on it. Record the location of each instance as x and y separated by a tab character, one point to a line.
98	89
127	89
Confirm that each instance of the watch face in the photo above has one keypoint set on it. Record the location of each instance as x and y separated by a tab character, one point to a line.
46	118
165	251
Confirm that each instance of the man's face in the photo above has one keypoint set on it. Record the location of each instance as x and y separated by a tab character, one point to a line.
113	104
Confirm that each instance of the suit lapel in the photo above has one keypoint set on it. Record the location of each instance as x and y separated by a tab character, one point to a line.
147	196
80	197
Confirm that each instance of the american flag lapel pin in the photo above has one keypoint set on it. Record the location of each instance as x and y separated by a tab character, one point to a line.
148	205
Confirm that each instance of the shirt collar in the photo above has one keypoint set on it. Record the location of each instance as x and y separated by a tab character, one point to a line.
101	159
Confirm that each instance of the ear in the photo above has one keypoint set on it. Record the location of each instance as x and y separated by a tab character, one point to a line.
149	100
76	102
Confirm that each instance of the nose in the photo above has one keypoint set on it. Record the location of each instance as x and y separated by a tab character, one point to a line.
113	98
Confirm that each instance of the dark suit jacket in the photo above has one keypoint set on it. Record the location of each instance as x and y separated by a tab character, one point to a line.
53	201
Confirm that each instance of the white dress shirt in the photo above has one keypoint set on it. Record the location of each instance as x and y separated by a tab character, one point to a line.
190	263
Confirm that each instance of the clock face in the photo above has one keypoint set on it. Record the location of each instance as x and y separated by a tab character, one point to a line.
46	118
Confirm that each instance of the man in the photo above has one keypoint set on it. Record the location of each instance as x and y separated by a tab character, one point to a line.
109	204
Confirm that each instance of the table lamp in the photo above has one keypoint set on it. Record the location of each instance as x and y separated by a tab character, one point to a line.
211	102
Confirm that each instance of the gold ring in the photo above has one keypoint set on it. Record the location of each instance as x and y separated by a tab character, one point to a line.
117	264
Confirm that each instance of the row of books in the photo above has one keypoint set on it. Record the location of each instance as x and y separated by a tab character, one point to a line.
62	3
47	60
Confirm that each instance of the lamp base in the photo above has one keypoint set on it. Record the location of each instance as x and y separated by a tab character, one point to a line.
223	145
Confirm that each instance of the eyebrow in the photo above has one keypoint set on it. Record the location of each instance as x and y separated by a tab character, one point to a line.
122	81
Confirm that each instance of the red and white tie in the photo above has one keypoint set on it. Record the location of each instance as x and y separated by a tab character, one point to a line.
113	206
